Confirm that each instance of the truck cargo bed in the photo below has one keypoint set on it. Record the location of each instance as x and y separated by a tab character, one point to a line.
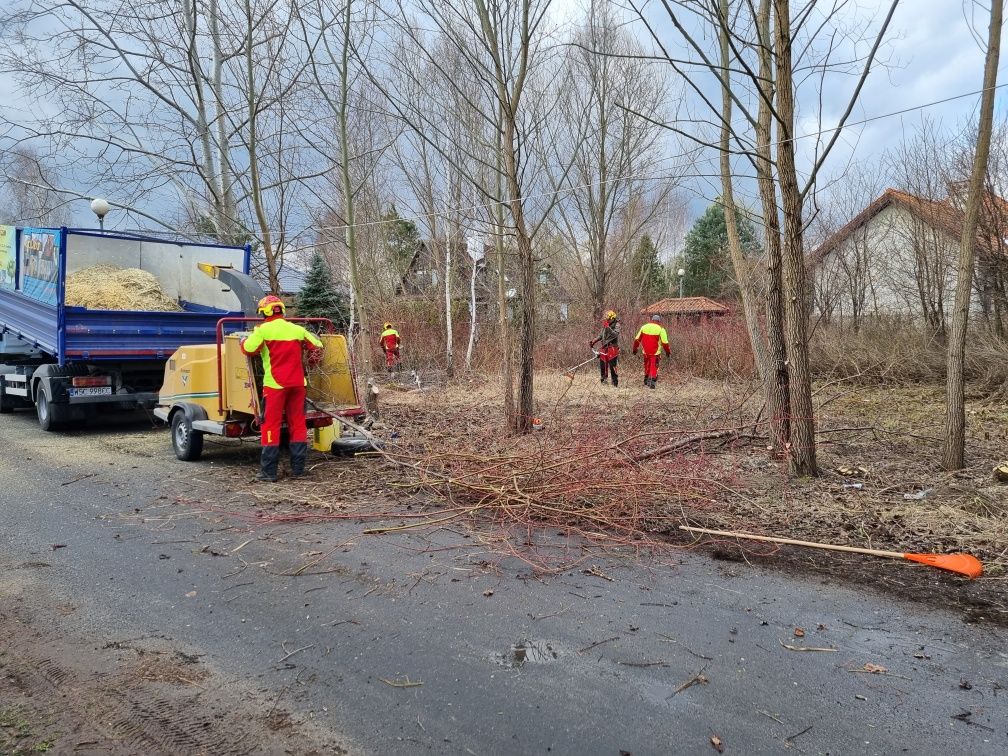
44	326
104	334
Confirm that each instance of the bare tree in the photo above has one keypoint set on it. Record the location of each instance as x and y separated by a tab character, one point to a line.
845	274
953	454
782	44
617	174
502	44
160	107
920	166
30	192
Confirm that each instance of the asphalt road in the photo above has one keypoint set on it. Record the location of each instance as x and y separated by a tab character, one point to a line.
606	656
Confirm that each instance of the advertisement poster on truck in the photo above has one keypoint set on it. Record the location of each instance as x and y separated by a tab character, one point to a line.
40	263
8	256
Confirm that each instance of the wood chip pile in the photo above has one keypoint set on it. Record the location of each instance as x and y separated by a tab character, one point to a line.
106	287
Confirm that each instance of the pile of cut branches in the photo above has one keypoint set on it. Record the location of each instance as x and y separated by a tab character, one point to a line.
578	479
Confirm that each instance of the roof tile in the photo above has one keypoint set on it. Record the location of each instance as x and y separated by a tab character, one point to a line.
685	306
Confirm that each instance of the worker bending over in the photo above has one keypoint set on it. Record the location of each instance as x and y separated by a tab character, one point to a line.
280	344
390	341
608	352
651	338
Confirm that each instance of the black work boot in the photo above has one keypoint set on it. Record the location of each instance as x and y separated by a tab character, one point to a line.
268	464
299	453
615	380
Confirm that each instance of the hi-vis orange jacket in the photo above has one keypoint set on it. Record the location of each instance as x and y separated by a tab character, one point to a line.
650	338
280	343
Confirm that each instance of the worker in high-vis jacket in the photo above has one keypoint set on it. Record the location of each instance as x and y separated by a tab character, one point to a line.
280	344
651	339
390	340
608	351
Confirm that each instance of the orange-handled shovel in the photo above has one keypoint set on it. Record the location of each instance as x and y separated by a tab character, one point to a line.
963	564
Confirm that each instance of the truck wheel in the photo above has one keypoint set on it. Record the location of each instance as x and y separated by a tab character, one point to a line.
187	443
46	412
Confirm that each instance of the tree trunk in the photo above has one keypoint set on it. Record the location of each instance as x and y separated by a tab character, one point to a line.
743	272
525	409
503	317
472	308
953	454
778	386
449	327
362	345
803	452
253	143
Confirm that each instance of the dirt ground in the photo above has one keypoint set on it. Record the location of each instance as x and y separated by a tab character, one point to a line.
125	695
881	484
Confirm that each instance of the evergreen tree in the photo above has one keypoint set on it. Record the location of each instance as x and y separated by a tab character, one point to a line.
706	252
319	297
402	240
649	276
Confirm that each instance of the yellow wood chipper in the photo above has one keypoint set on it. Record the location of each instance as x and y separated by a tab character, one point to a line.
218	389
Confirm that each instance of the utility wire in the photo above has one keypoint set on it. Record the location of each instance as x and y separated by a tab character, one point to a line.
628	177
642	176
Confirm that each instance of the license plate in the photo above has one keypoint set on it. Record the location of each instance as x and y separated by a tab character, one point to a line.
92	391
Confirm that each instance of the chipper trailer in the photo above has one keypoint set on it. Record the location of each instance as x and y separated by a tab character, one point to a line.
216	388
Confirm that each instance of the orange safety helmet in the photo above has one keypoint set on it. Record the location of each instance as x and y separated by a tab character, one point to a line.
269	304
387	326
611	316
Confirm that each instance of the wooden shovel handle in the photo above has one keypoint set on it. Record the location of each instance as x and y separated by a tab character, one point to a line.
794	542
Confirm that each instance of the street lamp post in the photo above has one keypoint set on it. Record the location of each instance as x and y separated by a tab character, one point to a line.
100	207
682	277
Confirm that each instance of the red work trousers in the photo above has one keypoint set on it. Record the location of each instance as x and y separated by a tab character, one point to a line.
391	357
650	365
289	401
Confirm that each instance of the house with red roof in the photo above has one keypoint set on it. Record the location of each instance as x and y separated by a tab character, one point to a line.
899	256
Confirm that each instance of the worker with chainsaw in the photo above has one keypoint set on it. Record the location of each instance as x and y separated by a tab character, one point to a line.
280	344
608	350
651	339
390	340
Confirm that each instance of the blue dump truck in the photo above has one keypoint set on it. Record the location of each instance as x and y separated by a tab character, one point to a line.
71	362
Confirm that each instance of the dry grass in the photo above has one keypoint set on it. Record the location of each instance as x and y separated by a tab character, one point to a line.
894	435
895	352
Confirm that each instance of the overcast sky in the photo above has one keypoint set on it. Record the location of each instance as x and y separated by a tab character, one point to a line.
931	55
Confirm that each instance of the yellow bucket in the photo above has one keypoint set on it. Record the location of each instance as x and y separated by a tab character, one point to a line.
323	438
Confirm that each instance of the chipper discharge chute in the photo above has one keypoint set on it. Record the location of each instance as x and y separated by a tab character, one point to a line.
218	389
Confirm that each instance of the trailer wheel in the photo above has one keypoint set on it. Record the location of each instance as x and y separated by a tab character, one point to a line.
45	411
187	442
